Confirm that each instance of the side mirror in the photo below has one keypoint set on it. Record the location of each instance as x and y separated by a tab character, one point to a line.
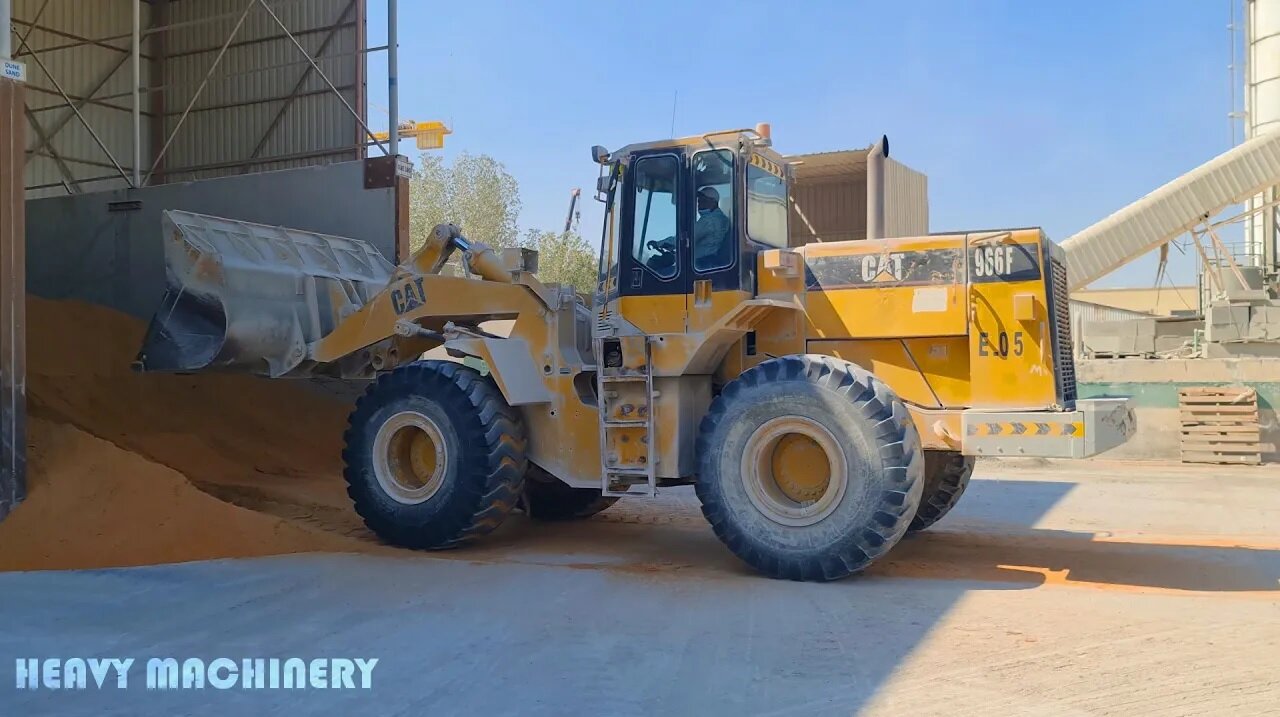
602	183
599	154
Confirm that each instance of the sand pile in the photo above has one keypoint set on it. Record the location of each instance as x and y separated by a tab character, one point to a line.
271	447
94	505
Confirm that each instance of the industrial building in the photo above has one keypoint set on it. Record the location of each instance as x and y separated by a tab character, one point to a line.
126	108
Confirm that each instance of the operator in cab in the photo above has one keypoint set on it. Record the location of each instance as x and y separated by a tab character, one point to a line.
711	232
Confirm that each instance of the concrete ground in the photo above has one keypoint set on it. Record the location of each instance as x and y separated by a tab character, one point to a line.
1087	588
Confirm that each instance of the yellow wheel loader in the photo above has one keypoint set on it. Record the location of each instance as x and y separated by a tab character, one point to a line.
822	400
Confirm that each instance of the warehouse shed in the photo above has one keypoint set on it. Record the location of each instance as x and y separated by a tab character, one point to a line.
118	110
224	87
829	198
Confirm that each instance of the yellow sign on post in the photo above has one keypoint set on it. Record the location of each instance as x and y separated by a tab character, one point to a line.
427	135
430	135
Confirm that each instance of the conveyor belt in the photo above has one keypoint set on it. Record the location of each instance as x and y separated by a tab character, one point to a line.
1173	209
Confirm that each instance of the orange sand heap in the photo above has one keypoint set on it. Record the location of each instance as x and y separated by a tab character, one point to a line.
207	466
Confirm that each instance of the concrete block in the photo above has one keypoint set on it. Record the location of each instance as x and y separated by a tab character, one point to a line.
1128	337
1225	322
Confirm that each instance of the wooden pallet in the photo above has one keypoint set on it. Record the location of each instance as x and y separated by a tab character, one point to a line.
1220	425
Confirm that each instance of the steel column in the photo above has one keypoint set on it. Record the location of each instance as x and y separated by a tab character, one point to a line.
362	71
6	25
137	94
393	78
13	321
157	97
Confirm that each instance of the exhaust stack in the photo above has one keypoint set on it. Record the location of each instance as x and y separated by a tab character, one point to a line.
875	187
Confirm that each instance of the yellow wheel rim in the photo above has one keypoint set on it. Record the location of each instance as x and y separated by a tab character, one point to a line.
794	470
409	457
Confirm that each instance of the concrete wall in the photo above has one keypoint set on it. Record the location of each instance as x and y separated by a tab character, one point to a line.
1153	386
92	248
1161	301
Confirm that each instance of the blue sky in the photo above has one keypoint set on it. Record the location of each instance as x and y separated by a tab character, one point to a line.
1021	112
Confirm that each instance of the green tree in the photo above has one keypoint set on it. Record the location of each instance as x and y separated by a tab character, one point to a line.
564	258
475	192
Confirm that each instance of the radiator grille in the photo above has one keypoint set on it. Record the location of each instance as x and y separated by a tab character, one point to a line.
1066	365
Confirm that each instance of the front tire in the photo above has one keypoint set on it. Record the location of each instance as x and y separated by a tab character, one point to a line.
811	468
434	455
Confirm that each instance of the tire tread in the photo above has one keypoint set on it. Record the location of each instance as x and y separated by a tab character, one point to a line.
481	415
899	446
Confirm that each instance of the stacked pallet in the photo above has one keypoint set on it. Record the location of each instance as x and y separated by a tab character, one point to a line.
1220	425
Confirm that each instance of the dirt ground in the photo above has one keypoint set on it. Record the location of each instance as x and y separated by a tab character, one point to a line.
1062	589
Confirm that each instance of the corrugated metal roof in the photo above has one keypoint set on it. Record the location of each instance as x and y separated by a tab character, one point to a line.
79	71
821	165
254	80
245	94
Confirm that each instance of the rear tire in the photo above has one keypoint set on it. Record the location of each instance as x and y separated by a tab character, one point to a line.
811	468
946	475
548	498
434	456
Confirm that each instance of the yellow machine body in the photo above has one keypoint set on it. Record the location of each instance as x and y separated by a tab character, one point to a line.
969	329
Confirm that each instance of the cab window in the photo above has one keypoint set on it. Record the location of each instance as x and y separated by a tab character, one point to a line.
653	230
766	207
713	239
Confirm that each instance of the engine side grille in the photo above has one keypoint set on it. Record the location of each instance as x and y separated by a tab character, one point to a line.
1062	343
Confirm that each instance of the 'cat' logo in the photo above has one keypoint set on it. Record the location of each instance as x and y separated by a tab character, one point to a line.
408	296
882	267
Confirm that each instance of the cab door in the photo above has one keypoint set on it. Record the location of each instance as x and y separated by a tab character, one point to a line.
653	276
721	273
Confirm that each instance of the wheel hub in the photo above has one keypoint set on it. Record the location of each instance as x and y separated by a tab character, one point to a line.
794	470
409	458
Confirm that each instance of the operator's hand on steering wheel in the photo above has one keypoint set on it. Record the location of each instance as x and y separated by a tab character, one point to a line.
666	246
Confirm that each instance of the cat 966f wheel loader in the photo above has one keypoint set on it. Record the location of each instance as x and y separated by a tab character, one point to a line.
822	400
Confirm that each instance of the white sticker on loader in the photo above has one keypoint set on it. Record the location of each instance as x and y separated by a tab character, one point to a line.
929	299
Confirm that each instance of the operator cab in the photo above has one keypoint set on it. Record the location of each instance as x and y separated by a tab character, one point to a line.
684	220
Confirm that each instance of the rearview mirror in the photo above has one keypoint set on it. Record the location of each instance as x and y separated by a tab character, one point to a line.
599	154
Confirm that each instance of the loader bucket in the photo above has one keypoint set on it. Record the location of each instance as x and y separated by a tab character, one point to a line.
251	297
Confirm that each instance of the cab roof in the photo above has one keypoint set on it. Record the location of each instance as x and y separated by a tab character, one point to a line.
725	139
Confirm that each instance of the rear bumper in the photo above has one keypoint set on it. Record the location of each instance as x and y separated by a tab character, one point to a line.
1096	425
